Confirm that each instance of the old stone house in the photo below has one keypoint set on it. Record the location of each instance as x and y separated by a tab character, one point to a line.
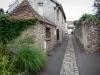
51	27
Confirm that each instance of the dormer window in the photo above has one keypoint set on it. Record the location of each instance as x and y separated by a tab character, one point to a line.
40	7
40	4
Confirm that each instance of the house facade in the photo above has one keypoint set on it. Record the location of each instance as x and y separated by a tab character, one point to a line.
51	28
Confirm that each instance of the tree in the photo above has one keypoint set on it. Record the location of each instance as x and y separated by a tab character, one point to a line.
97	7
75	23
1	11
84	17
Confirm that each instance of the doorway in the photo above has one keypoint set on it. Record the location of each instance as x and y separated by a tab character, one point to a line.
57	34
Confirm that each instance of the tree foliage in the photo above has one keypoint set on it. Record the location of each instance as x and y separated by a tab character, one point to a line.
1	11
75	23
85	17
97	7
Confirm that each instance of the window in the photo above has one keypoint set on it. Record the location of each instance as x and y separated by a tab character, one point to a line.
40	4
57	34
48	32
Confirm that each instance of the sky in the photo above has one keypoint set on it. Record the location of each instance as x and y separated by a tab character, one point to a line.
5	4
73	8
76	8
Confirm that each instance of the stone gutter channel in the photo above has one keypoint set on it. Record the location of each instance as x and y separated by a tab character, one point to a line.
69	66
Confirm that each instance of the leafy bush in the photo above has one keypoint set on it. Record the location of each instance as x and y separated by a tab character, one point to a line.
6	67
97	8
11	28
30	59
89	17
75	23
85	17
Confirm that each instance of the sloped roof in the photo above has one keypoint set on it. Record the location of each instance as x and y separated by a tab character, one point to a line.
60	7
69	22
42	19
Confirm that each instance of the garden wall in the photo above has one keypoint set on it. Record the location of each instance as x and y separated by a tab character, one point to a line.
89	35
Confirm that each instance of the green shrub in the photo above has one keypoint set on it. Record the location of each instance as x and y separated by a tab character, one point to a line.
85	17
30	59
6	67
97	8
75	23
11	29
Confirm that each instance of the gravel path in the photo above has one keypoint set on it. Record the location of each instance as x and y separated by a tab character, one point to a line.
69	66
55	61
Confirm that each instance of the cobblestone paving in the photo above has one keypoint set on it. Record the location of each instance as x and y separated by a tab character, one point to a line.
69	66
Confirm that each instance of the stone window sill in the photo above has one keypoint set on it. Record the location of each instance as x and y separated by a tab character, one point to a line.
48	39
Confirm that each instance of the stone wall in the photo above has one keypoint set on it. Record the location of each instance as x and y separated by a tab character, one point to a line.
38	33
89	35
51	42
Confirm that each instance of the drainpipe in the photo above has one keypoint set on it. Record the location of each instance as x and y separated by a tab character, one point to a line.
55	9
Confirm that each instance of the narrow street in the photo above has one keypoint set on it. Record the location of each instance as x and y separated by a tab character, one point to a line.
55	61
88	64
70	54
69	66
63	61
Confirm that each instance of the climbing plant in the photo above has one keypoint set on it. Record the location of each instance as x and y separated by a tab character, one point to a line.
11	29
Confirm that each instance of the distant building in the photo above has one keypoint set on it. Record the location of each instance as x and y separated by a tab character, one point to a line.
70	26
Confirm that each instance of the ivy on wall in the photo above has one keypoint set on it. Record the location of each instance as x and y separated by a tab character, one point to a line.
11	28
